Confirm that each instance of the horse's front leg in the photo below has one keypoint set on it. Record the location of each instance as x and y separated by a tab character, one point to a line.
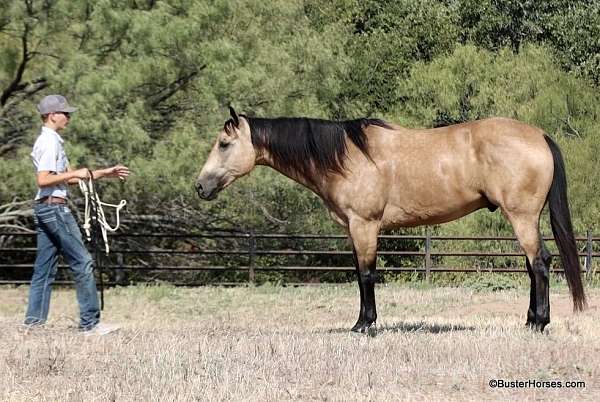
361	312
363	234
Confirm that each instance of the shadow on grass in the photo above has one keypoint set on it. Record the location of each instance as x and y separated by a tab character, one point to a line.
424	327
405	327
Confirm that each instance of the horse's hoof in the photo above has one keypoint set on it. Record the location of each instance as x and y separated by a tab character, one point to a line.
364	328
536	326
358	327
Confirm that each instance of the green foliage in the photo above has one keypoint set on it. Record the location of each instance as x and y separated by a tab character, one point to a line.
472	83
384	39
494	24
574	31
570	27
16	184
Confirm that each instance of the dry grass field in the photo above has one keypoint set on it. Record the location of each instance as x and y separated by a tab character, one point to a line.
275	343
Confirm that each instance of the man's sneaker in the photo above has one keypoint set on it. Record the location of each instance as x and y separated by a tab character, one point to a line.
101	329
33	324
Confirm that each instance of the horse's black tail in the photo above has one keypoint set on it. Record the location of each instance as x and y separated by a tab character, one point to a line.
560	219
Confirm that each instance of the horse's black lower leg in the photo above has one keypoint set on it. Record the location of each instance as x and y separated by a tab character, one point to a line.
541	273
368	280
368	310
360	323
532	299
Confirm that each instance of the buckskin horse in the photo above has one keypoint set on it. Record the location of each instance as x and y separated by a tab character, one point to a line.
373	175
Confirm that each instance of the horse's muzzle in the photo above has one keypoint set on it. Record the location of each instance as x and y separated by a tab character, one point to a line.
207	193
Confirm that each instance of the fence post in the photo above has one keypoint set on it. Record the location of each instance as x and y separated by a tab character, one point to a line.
588	258
120	276
251	252
427	254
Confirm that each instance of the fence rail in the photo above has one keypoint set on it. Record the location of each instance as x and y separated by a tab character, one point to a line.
251	254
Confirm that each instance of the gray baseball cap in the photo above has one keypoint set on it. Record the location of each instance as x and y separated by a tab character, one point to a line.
54	104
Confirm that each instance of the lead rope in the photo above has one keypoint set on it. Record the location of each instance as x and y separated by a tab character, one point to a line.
95	223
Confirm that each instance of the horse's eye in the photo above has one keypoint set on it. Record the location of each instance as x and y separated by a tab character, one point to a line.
223	145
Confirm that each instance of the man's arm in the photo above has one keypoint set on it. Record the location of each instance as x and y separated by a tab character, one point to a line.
46	178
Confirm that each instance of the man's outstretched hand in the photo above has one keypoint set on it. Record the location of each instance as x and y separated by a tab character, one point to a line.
120	171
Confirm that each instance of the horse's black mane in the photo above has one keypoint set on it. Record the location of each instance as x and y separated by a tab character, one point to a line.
310	147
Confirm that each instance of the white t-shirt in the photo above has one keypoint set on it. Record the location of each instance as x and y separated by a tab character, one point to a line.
49	155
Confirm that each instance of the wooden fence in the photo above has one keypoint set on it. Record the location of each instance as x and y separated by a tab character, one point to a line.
244	257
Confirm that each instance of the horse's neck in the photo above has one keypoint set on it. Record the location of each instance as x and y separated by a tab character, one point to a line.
266	161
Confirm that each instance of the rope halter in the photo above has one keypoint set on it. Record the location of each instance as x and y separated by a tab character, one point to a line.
94	211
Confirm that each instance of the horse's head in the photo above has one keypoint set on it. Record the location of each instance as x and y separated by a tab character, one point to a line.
232	156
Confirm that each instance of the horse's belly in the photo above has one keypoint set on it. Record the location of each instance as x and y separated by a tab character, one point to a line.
396	216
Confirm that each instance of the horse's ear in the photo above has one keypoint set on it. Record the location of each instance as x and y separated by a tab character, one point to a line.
234	116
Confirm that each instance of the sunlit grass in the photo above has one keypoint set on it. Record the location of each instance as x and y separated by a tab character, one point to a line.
274	343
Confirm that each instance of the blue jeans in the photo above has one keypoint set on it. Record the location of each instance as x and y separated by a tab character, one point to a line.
57	232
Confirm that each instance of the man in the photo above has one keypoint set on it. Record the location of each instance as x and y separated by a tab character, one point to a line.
57	231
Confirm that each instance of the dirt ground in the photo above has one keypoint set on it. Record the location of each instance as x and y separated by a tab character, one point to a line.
275	343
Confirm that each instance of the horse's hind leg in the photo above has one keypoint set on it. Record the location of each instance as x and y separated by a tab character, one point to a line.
364	239
532	301
538	266
543	259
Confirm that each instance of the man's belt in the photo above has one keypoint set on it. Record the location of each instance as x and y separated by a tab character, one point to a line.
51	200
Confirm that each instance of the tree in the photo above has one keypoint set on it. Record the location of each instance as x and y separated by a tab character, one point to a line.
574	31
383	39
22	43
569	27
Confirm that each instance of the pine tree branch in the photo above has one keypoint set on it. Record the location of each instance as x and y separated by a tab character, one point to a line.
25	58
